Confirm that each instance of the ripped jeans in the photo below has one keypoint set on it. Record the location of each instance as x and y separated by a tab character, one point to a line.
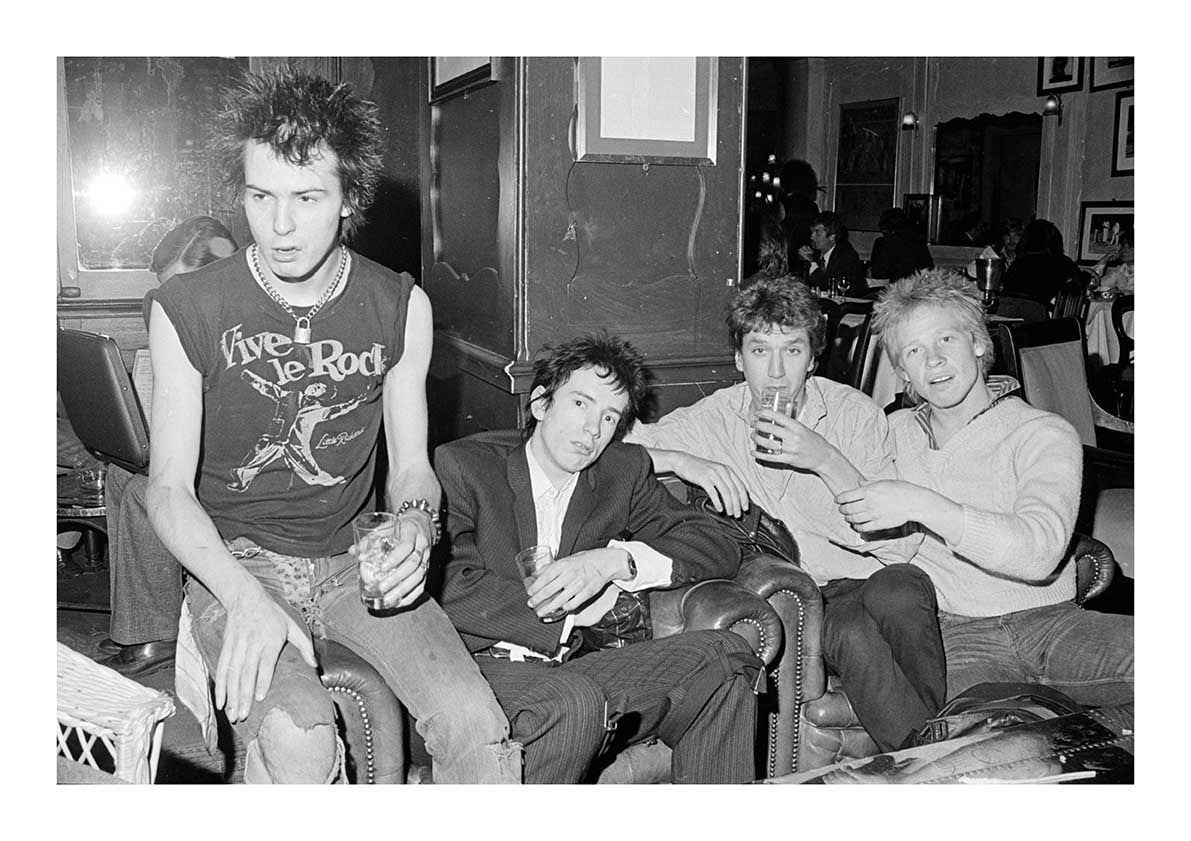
416	650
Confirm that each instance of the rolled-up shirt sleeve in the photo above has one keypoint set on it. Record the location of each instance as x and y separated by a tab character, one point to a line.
653	568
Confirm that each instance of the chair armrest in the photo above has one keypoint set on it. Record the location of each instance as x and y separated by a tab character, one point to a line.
1095	567
374	720
795	597
717	604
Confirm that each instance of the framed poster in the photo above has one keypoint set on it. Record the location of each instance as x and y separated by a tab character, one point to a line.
866	162
647	110
1100	227
1059	75
452	75
1112	72
1122	135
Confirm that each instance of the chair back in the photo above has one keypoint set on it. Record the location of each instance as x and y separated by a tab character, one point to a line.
1120	306
100	401
863	369
1049	361
1071	302
844	322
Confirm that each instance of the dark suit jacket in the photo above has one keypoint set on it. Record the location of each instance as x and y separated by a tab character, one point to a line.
844	262
490	517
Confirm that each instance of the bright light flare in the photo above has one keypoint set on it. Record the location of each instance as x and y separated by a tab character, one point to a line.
111	194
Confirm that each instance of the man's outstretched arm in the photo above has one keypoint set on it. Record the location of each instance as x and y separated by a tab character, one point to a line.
257	628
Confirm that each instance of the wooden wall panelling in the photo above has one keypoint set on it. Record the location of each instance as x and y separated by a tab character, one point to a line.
647	254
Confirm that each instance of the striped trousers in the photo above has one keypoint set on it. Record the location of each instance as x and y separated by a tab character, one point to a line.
694	691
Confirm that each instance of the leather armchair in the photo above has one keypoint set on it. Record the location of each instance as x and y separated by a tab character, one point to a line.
375	725
826	731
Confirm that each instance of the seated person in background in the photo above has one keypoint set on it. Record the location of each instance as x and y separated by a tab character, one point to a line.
832	258
994	485
765	254
190	245
277	415
1115	269
969	230
900	250
800	191
1041	269
880	634
617	533
1010	236
144	579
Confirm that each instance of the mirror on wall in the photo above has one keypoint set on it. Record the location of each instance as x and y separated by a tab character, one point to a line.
136	157
986	175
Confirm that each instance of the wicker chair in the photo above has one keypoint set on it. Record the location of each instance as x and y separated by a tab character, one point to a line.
107	721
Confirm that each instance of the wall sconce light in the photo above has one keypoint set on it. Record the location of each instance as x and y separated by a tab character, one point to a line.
909	121
1053	107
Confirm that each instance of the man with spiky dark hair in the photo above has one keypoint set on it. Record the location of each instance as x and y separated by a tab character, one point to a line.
567	484
273	369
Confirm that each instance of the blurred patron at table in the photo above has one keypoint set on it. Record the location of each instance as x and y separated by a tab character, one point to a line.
900	250
833	260
1041	268
1010	236
1114	271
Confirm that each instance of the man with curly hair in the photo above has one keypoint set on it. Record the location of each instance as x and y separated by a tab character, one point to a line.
879	629
993	485
242	349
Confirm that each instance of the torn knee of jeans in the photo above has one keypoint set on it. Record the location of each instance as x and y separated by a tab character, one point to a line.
286	751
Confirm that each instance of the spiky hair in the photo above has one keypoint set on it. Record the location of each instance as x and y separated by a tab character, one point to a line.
298	115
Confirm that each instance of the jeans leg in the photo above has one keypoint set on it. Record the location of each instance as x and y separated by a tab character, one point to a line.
557	715
1086	654
146	581
901	599
979	650
421	657
888	704
290	735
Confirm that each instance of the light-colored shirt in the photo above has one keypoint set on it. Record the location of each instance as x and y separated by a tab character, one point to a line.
550	510
1016	471
717	428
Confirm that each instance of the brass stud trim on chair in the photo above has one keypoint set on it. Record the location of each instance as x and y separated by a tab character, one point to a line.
367	726
760	632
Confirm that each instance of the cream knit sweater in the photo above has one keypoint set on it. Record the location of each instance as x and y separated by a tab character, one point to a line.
1016	472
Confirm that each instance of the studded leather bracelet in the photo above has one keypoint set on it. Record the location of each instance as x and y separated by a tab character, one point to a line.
425	507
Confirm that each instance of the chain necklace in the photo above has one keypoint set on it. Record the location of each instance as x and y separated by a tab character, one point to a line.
301	322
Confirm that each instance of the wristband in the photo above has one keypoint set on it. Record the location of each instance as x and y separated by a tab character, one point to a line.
423	506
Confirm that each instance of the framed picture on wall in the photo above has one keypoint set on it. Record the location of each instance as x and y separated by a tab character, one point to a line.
1122	135
1100	227
659	110
452	75
1112	72
1059	75
866	162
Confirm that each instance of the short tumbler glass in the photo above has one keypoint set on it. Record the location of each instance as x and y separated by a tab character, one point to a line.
375	535
531	561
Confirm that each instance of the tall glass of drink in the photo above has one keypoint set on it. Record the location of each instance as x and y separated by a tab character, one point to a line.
780	400
531	561
375	535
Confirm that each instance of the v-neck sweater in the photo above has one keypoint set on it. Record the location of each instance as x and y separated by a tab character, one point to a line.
1016	472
